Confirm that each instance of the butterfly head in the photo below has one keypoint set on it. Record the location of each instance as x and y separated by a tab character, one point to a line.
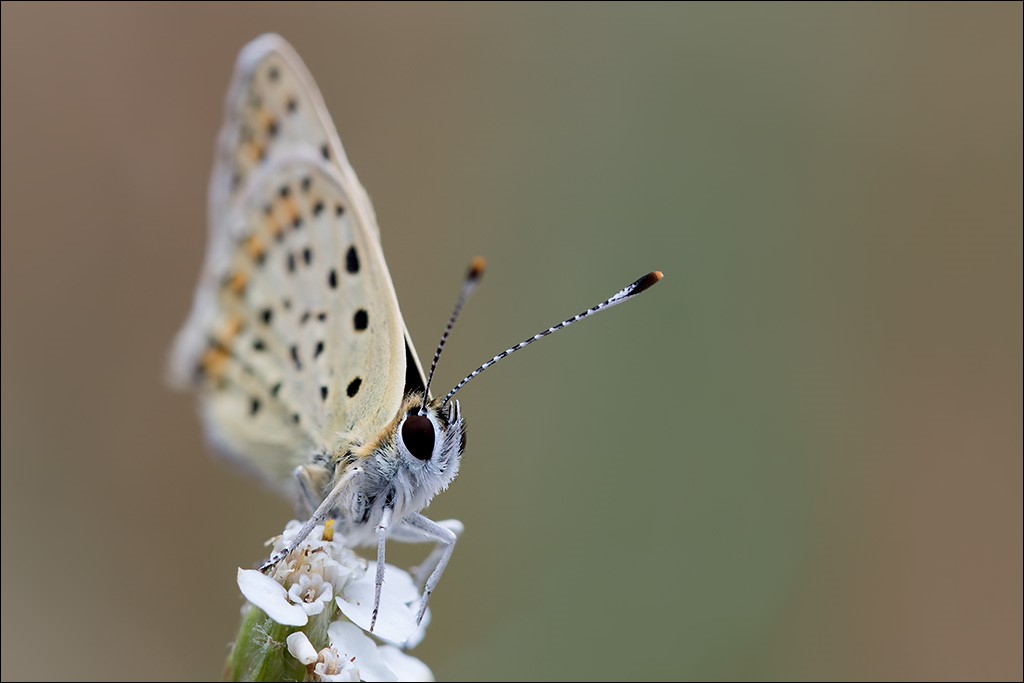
429	440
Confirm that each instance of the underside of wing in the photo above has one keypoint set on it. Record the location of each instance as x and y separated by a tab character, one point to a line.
273	107
295	340
299	346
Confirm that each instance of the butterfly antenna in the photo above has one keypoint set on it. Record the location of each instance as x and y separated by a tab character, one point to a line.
476	271
624	294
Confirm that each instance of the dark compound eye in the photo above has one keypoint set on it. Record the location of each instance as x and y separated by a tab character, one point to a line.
418	436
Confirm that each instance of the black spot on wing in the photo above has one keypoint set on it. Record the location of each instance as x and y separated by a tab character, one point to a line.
352	260
353	387
360	320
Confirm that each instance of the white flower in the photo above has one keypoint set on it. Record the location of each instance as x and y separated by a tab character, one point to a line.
303	584
311	592
330	559
271	597
306	580
352	656
405	667
332	667
399	601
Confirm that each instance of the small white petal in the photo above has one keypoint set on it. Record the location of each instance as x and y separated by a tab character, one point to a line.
332	668
397	581
406	668
417	637
349	675
351	644
311	593
271	597
301	648
396	623
399	600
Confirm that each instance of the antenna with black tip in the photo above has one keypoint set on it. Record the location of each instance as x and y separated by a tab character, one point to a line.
641	285
476	271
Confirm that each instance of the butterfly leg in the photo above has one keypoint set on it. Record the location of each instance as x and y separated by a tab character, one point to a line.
321	513
382	537
406	534
312	480
445	535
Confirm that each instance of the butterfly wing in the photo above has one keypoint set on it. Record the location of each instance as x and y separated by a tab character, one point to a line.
295	339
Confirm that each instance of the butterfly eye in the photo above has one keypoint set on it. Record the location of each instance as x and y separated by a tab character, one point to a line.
418	436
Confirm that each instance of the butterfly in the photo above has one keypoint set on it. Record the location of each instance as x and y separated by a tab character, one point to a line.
305	371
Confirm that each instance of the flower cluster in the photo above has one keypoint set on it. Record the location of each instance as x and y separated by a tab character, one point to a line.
323	593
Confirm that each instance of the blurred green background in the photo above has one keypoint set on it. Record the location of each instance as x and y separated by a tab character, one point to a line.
798	457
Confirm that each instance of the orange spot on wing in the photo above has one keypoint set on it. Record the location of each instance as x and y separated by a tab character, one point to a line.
266	118
255	152
254	247
237	283
292	208
229	330
274	227
286	210
215	358
213	361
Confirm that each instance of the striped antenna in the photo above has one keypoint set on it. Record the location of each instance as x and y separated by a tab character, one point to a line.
624	294
476	271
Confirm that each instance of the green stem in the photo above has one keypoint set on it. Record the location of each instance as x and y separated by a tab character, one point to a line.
260	653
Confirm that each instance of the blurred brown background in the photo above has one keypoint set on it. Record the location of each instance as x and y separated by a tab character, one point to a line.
798	457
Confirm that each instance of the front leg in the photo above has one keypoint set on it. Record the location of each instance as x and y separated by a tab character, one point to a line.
445	538
311	480
318	516
382	536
